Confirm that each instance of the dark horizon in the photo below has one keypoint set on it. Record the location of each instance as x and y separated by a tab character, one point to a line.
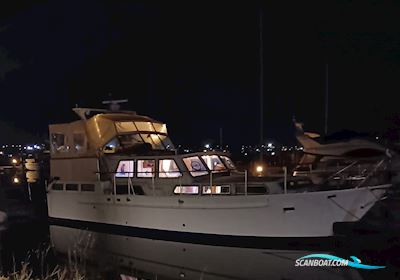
196	67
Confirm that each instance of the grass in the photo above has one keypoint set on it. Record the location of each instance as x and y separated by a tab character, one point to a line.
36	266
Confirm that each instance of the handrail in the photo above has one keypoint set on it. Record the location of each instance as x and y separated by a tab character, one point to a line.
341	170
371	173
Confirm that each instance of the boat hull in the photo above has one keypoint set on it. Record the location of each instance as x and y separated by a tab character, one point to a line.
309	214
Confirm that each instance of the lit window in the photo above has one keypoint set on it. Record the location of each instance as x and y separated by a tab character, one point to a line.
144	126
228	162
146	168
186	190
58	142
168	169
125	168
216	189
111	146
160	127
195	166
79	141
214	163
125	126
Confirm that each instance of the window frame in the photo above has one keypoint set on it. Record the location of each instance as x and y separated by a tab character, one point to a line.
188	186
166	177
140	173
207	171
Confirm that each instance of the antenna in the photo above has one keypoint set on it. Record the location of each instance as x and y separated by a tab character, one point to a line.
115	104
326	98
261	84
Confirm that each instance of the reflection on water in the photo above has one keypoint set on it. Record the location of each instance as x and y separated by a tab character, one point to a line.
155	259
109	255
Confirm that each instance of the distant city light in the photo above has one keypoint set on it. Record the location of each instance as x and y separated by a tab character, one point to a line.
14	161
259	168
207	146
16	180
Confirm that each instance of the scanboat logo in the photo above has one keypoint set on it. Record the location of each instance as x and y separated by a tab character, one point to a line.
330	260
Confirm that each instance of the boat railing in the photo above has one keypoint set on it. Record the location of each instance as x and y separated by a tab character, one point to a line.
129	176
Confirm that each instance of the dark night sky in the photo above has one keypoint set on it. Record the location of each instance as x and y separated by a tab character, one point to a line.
195	66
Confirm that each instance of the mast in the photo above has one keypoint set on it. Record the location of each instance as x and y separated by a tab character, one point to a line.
261	57
326	98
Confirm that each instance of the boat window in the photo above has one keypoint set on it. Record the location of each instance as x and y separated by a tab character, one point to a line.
225	189
125	168
125	126
71	187
111	146
228	162
186	190
214	163
195	166
58	142
79	141
158	145
146	168
144	126
87	187
153	140
160	127
167	168
58	187
167	142
252	189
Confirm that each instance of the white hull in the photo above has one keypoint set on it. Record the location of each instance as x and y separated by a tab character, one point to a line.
308	214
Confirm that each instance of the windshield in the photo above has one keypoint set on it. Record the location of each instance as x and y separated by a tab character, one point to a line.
228	162
195	166
151	141
214	163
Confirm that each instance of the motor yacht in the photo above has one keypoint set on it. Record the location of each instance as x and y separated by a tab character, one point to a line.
114	168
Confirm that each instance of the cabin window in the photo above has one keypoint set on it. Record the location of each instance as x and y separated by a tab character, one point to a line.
79	141
125	126
58	142
157	144
225	189
186	190
252	189
58	187
228	162
125	168
71	187
149	138
214	163
87	187
167	142
160	127
146	168
168	169
144	126
195	166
